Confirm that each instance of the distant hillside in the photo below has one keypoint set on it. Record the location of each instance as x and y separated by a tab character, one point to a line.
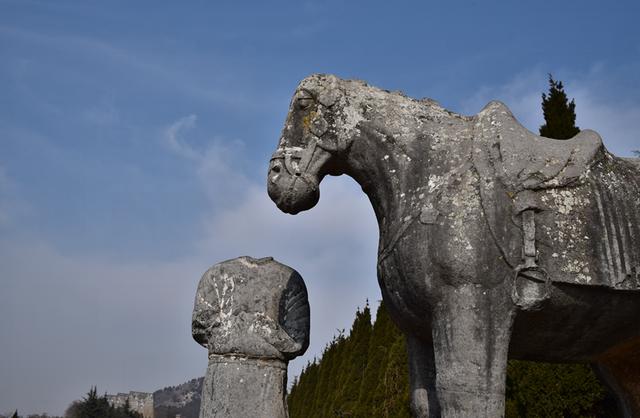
183	399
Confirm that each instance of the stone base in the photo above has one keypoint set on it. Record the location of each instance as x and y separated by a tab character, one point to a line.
244	387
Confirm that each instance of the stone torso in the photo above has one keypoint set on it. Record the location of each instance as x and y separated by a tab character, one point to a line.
252	315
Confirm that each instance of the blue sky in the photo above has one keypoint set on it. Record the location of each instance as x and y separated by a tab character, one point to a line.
134	140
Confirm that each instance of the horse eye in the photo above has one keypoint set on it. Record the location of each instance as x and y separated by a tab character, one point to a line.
304	102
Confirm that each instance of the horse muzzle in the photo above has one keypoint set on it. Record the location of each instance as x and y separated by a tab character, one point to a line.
292	192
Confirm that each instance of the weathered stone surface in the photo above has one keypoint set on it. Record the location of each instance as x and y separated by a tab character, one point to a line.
588	201
253	317
494	242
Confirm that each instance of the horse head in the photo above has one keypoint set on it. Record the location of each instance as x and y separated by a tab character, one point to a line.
315	140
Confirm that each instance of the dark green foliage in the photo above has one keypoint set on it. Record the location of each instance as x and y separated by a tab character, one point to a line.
362	375
393	388
355	362
344	384
554	390
94	406
303	391
559	113
383	336
325	391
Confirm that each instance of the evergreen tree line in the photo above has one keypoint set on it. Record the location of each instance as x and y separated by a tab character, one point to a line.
365	375
94	406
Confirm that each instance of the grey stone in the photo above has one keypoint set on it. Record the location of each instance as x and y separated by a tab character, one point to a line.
495	242
252	315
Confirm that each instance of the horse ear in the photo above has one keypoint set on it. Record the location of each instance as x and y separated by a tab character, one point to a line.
323	87
328	93
328	96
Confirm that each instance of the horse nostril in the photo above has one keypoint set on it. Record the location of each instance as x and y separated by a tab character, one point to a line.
298	174
275	168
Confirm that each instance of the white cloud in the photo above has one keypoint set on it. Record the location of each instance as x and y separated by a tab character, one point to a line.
617	123
219	165
174	136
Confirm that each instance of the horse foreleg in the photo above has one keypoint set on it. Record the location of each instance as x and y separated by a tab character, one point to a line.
471	333
422	378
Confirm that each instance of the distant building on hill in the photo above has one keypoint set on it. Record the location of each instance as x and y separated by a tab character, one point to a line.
181	401
141	402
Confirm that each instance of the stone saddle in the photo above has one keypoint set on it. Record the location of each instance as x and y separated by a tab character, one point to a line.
577	190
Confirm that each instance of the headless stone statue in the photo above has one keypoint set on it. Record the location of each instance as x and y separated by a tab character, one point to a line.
253	317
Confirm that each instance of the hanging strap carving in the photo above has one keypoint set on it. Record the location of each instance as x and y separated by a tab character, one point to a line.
531	282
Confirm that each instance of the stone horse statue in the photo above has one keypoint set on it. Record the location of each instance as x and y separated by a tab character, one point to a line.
495	243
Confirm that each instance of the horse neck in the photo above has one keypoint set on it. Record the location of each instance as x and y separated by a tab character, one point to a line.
386	168
393	163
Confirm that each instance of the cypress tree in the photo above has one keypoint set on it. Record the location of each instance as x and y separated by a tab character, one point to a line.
91	405
384	334
321	400
396	380
306	399
297	392
94	406
354	364
559	113
361	375
292	405
335	375
318	397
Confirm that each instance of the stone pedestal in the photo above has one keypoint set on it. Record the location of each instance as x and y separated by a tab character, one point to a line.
244	387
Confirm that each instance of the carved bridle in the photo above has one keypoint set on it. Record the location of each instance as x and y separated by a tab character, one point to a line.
296	160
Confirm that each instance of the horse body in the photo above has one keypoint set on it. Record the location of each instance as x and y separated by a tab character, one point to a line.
454	202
